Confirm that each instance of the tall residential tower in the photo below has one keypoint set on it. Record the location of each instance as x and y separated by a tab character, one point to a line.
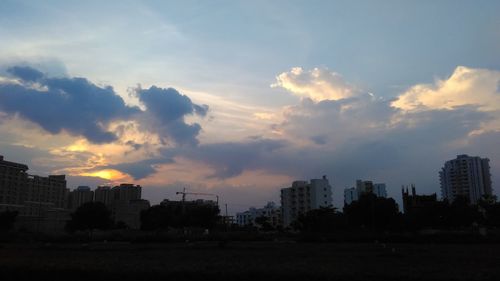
466	176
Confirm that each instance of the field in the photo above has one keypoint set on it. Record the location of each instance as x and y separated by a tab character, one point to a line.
249	261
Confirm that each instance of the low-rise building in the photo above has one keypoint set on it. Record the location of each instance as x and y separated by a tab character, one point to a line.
270	211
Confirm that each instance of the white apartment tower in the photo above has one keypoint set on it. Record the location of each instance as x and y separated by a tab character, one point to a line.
302	197
466	176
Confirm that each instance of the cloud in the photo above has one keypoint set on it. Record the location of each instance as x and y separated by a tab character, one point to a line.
74	105
25	73
465	87
81	108
317	84
166	109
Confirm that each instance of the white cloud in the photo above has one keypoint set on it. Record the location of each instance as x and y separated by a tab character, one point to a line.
465	87
318	84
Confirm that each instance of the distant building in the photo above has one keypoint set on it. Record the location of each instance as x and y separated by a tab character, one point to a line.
17	186
13	182
80	196
104	195
126	192
302	197
350	195
39	201
363	187
130	212
270	211
125	204
466	176
413	203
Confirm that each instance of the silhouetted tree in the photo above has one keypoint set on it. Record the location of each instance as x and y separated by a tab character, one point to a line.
264	223
156	218
433	215
325	220
7	220
161	217
373	212
461	213
90	216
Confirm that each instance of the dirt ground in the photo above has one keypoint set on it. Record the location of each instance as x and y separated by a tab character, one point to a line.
249	261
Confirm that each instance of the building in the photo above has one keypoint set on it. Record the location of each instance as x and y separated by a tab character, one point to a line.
80	196
13	181
350	195
126	192
466	176
130	212
363	187
270	211
413	203
104	195
302	197
39	201
17	186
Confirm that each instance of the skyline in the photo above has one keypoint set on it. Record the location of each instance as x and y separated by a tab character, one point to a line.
243	98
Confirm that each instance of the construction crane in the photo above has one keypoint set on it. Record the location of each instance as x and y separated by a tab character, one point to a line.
184	193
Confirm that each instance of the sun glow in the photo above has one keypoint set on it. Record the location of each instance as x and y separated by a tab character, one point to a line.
108	174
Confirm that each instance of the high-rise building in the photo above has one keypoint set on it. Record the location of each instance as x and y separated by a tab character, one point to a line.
13	181
302	197
104	195
80	196
126	192
363	187
467	176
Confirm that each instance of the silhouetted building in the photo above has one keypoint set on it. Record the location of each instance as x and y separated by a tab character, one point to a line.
104	194
126	200
270	211
129	212
413	203
80	196
302	197
13	181
126	192
466	176
51	189
363	187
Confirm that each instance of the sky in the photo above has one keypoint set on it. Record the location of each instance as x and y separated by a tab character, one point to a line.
240	98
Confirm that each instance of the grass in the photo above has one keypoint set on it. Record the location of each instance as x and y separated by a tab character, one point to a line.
250	261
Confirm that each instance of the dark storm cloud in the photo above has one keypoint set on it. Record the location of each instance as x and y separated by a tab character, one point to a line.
25	73
167	109
79	107
229	159
140	169
74	105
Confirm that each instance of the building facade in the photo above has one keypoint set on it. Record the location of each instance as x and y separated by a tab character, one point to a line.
413	203
270	211
302	197
466	176
80	196
364	187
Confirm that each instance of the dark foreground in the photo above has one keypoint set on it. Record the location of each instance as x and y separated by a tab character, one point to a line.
249	261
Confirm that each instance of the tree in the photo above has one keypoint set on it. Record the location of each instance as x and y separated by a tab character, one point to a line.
7	220
264	223
188	214
376	213
325	220
90	216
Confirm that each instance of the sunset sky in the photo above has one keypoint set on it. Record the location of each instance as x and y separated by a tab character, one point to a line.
240	98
